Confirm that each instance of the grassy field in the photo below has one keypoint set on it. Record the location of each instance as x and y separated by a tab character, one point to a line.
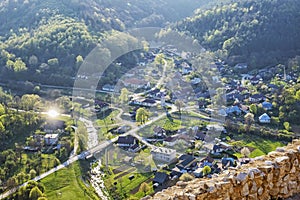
68	184
261	146
121	185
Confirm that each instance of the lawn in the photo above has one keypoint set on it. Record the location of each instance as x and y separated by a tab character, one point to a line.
126	187
106	122
262	146
67	184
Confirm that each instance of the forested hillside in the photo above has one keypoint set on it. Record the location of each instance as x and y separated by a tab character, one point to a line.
42	37
260	32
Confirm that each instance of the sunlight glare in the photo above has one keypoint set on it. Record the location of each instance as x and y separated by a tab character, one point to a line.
53	113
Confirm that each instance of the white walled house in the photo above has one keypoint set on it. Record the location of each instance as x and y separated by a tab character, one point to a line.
163	154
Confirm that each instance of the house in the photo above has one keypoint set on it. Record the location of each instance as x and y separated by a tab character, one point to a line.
225	146
143	102
228	162
134	148
51	139
186	70
135	83
273	87
186	163
126	141
52	126
159	132
265	118
160	178
163	154
233	110
108	88
255	80
195	81
101	106
176	172
198	173
170	141
244	108
256	98
207	159
241	66
222	112
217	149
216	127
231	96
267	105
123	129
200	135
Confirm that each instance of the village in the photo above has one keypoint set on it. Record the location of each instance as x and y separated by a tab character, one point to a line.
193	139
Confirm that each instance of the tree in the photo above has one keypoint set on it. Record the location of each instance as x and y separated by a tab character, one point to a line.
179	105
142	115
249	120
124	95
53	62
10	64
144	188
32	173
19	65
253	108
287	126
29	101
79	60
245	152
159	59
186	177
33	61
298	95
2	110
35	193
2	129
206	170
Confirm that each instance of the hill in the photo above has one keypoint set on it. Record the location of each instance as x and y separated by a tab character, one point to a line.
42	37
258	32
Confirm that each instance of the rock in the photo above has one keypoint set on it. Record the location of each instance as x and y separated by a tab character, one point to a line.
266	169
252	197
260	191
274	191
245	190
292	185
254	170
270	177
293	170
181	184
280	149
210	187
254	187
241	177
282	159
146	198
284	190
286	178
269	163
192	197
260	158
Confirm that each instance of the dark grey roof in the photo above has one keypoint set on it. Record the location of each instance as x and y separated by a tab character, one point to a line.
160	177
186	162
126	140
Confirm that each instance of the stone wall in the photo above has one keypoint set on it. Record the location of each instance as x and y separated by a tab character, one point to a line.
276	175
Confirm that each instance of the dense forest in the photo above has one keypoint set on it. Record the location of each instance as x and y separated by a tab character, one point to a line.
53	37
257	32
